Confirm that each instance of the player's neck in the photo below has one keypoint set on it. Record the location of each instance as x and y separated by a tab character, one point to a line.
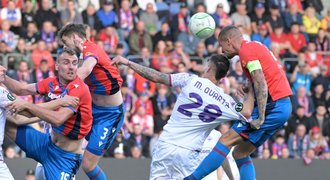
209	77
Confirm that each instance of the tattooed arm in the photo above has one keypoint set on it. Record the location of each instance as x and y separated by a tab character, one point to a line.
261	93
145	72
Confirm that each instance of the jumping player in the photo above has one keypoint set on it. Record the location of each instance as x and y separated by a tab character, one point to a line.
104	83
59	153
271	111
200	107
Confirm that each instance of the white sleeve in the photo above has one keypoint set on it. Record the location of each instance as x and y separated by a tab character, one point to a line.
4	97
180	79
236	108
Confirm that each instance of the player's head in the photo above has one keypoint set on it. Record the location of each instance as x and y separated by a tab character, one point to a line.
67	65
230	39
217	67
73	36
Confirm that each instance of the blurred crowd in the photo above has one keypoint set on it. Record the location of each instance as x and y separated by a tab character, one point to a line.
155	33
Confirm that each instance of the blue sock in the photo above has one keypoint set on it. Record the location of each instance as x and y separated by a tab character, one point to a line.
96	174
246	168
211	162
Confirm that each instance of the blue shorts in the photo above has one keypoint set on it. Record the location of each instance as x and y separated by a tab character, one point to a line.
57	163
276	115
107	122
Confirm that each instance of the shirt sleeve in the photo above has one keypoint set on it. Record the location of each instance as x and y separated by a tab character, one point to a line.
42	86
89	53
247	53
180	79
4	97
236	109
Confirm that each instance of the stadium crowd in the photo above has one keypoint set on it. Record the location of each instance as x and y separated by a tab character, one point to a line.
155	33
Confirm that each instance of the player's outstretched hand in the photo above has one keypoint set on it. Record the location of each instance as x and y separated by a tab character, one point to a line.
119	60
70	101
17	106
256	123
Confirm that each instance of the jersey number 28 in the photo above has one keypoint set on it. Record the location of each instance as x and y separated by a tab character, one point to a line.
207	115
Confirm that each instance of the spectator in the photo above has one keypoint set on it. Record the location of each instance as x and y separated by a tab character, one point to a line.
298	117
28	13
180	20
129	99
83	4
126	21
71	14
119	152
210	4
30	175
106	14
201	51
317	141
136	152
144	101
22	51
142	4
322	78
90	18
211	43
7	36
317	4
311	23
164	35
321	119
23	73
296	39
279	37
31	36
163	102
160	60
18	3
298	4
109	38
325	22
274	20
46	14
236	77
139	38
241	18
41	53
291	16
265	154
117	148
322	41
221	17
200	7
318	94
13	16
10	152
178	55
48	36
145	120
326	154
262	36
137	139
282	4
303	99
313	59
278	146
150	19
301	77
259	17
298	143
285	153
189	42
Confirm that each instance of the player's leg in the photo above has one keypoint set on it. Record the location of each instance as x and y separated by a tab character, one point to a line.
217	156
4	172
107	122
243	160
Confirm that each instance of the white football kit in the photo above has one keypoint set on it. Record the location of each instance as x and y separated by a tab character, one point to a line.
200	107
5	98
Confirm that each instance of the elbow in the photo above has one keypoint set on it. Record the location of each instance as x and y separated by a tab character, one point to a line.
58	121
246	113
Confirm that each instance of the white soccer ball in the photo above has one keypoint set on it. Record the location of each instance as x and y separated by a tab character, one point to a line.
202	25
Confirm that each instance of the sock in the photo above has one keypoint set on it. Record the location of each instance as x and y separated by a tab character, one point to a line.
96	174
211	162
246	168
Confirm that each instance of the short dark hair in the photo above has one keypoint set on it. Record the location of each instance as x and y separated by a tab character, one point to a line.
70	29
67	51
228	32
221	67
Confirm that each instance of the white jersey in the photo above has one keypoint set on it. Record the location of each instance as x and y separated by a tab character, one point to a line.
200	107
5	98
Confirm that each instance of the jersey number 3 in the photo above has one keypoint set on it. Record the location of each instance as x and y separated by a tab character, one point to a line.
210	113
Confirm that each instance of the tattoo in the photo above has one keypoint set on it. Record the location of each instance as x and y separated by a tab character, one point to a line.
150	73
261	91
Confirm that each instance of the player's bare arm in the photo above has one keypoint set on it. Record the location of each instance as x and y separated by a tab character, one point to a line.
261	91
86	68
19	88
54	117
248	101
145	72
61	102
19	120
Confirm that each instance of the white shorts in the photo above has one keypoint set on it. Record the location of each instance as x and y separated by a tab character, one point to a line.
4	172
171	162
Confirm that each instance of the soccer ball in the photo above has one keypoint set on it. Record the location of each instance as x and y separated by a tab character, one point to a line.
202	25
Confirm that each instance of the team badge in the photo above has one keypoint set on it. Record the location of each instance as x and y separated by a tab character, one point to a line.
11	97
239	107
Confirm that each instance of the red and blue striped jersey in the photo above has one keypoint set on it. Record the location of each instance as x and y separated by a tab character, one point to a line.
79	125
104	78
